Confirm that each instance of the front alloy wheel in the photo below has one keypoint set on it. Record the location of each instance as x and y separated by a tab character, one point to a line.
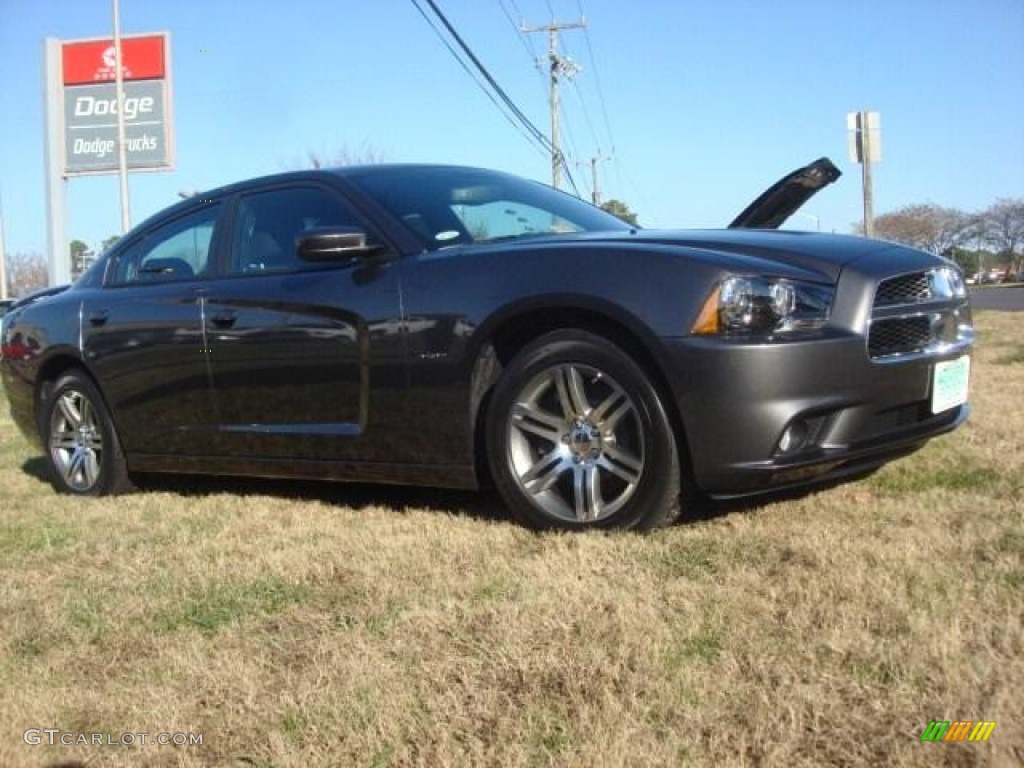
576	443
578	438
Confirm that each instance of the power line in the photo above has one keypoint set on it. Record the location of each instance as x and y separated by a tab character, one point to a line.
570	142
621	174
586	115
524	40
537	134
529	136
527	42
518	11
597	78
487	75
571	69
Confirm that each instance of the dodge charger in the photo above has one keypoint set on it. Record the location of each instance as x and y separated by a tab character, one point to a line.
459	327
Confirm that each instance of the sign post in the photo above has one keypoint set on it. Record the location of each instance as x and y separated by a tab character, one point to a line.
58	258
122	161
865	139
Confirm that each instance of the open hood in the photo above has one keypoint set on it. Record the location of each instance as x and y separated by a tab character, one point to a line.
784	198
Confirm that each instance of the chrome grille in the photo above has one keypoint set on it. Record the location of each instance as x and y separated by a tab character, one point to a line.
900	335
919	313
905	289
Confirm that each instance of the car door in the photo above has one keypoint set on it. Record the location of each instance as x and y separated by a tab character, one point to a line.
295	361
142	335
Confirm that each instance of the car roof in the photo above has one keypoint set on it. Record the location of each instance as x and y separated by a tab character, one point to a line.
307	174
342	171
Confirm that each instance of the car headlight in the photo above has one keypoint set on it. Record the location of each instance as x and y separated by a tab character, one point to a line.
759	305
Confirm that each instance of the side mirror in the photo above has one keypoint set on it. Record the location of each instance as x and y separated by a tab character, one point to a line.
332	244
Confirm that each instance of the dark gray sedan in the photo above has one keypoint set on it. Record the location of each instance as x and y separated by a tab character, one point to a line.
453	326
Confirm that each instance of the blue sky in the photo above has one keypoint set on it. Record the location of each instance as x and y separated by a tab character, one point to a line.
706	102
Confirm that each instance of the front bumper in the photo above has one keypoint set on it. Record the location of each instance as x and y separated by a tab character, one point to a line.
845	412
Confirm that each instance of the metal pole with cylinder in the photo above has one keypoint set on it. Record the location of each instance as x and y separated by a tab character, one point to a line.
122	148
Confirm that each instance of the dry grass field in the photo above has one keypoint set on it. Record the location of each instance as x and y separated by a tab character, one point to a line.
321	625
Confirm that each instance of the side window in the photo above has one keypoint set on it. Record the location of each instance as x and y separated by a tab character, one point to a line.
179	250
267	224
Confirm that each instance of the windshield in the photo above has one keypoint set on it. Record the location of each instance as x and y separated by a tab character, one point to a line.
446	206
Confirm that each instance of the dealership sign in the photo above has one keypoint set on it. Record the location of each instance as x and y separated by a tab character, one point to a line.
82	115
90	126
88	74
94	61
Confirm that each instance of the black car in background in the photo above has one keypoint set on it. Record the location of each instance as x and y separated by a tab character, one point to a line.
451	326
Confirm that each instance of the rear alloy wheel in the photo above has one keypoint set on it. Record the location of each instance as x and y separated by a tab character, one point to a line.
578	438
82	447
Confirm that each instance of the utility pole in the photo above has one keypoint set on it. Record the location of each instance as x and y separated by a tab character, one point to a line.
595	194
559	66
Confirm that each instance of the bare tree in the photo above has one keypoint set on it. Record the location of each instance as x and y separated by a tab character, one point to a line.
26	272
929	227
366	154
1002	226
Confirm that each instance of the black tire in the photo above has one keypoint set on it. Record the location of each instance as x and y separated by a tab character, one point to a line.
83	451
578	438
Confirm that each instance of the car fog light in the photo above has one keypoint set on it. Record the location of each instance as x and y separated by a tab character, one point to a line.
795	437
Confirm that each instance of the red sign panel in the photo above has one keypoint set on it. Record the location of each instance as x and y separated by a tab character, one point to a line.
142	58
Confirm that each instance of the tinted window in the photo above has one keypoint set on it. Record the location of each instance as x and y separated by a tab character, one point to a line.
179	250
268	224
